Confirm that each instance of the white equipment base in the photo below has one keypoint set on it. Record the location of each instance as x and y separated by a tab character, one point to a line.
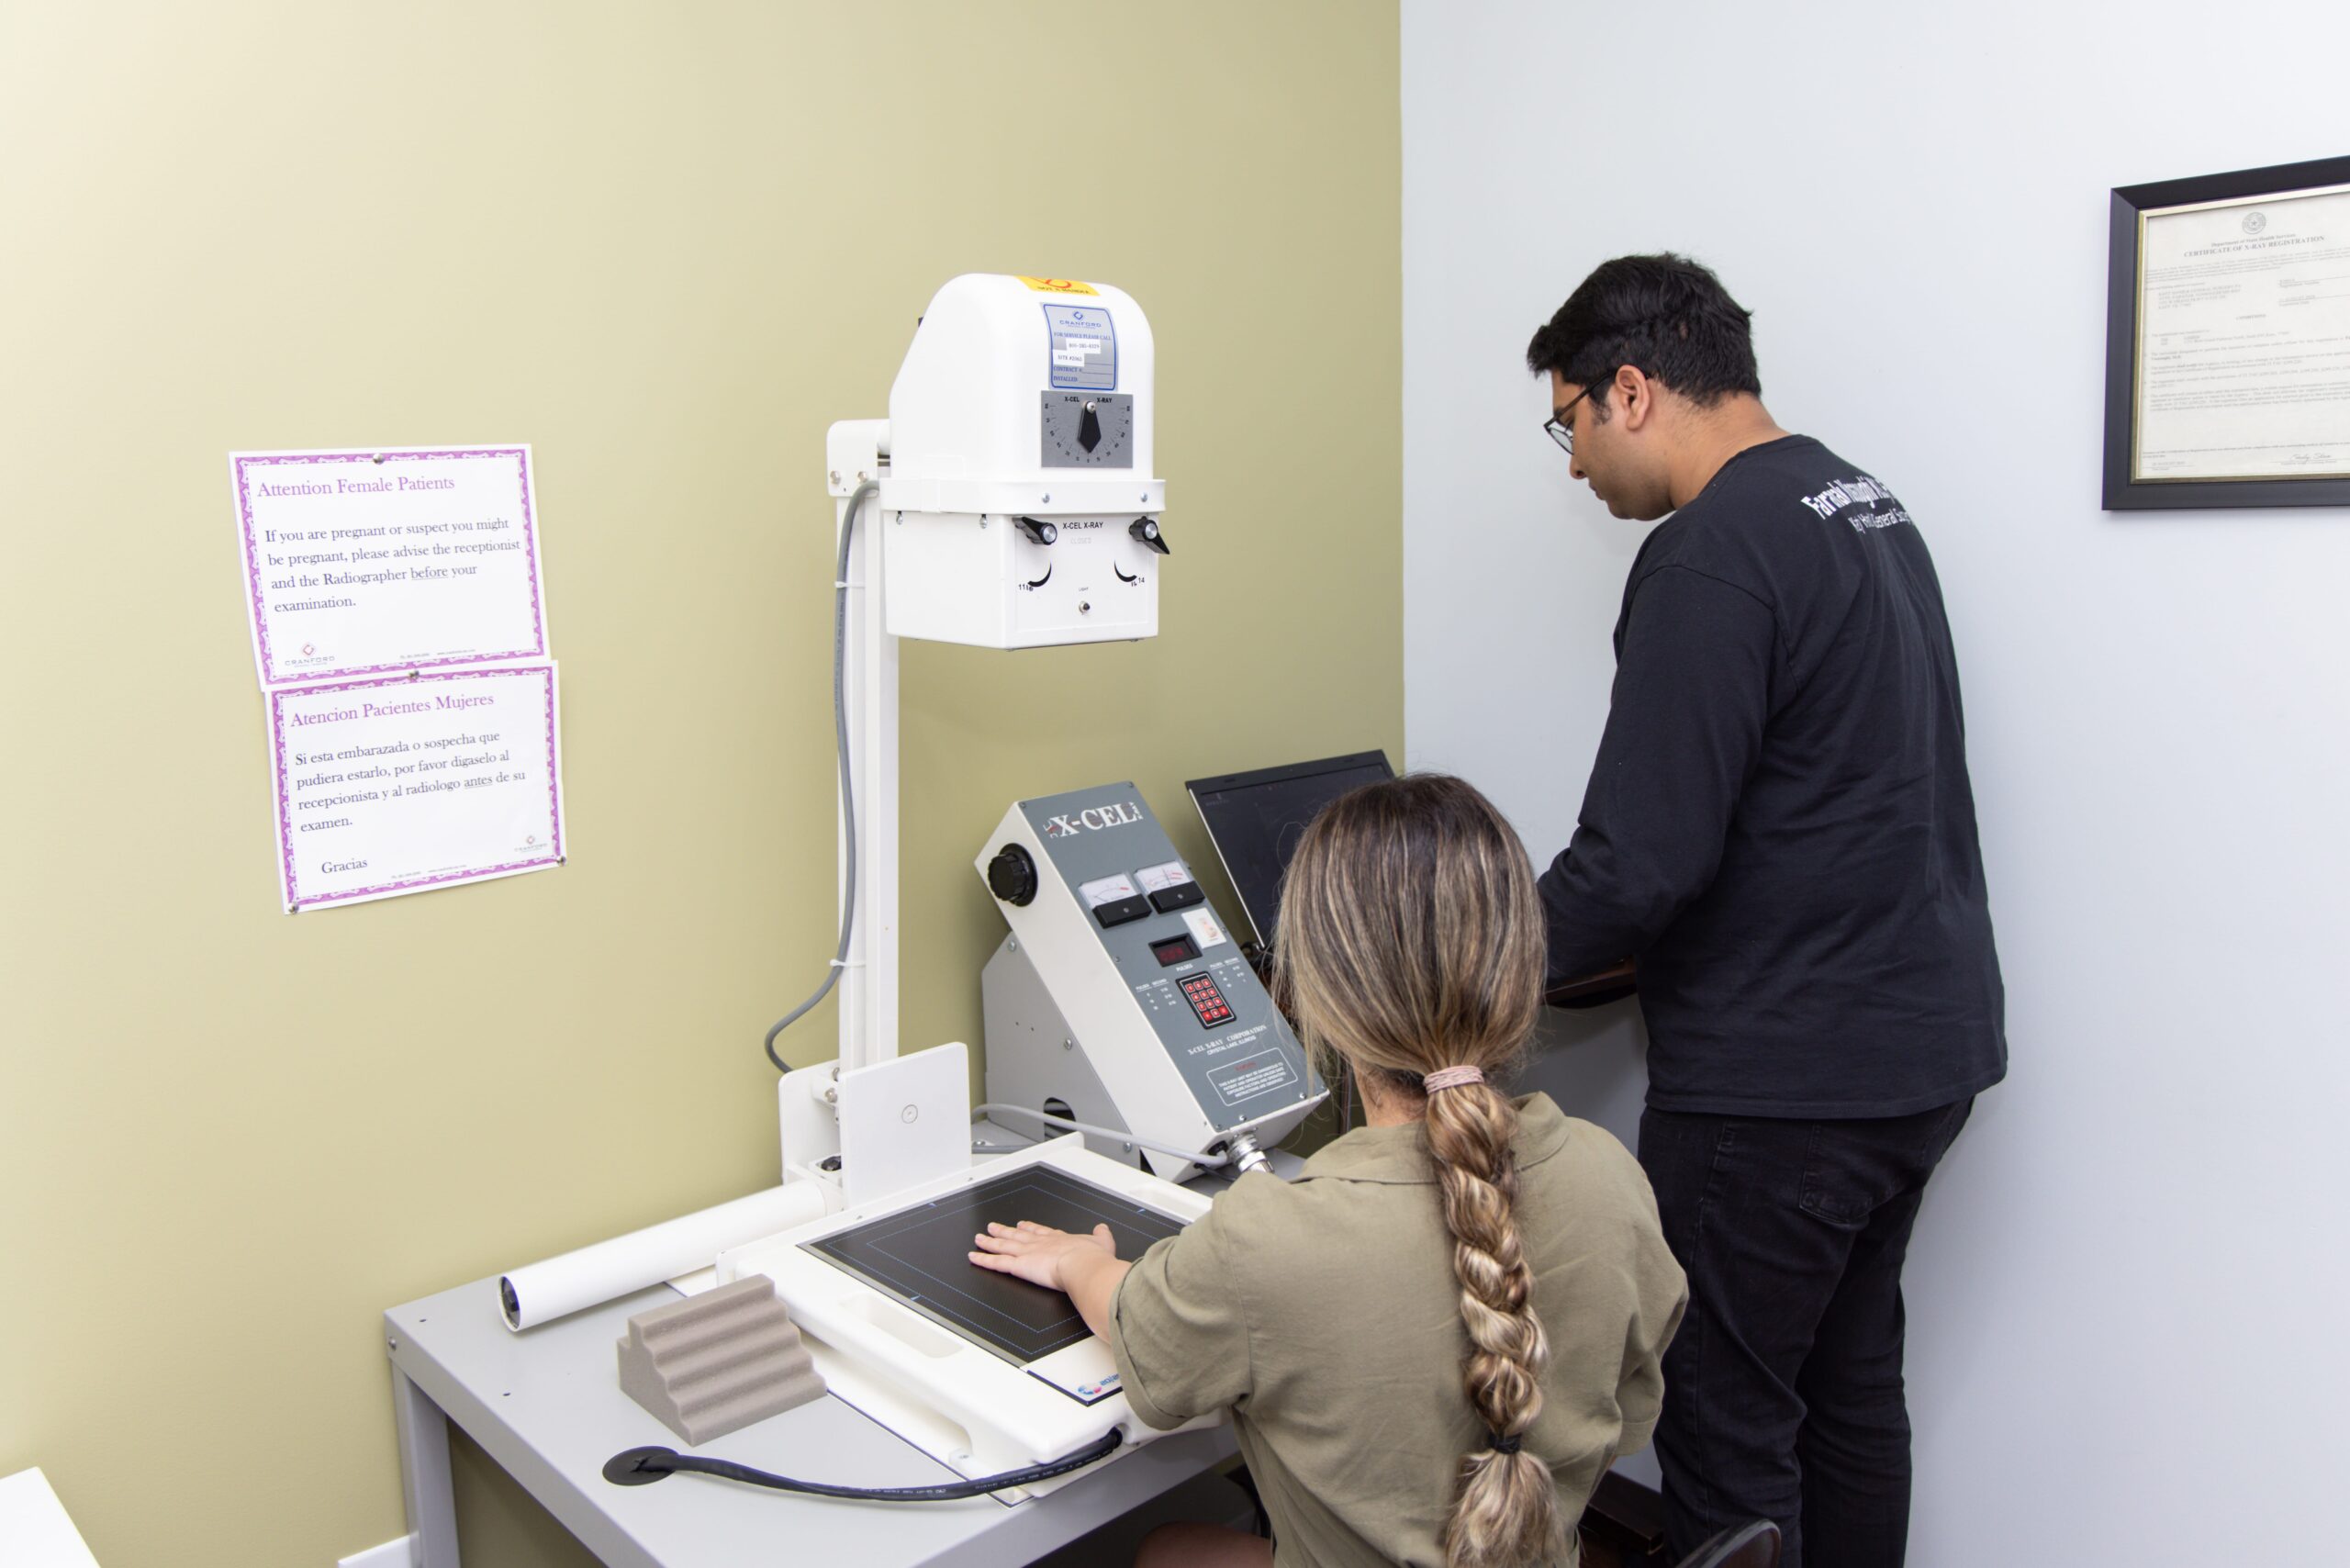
966	1406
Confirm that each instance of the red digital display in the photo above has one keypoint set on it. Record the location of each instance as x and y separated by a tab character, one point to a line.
1174	950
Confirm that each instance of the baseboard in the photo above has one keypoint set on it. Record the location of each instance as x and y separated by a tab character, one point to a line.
400	1553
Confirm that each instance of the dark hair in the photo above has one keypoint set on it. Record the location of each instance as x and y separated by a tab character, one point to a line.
1663	315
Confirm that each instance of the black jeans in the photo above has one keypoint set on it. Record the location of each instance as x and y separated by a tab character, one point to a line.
1783	1395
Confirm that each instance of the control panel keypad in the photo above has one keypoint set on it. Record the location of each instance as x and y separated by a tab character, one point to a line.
1206	1001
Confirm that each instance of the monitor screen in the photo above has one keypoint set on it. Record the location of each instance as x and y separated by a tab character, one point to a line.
1256	819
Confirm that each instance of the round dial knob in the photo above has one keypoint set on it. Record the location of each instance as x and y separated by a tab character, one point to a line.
1012	875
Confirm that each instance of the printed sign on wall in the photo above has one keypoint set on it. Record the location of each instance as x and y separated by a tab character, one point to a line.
399	631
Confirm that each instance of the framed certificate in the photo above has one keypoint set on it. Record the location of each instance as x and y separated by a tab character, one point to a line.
2227	350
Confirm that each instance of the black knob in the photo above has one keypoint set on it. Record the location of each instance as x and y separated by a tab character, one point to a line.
1012	876
1088	429
1038	529
1144	532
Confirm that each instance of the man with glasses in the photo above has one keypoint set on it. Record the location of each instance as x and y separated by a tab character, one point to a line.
1780	828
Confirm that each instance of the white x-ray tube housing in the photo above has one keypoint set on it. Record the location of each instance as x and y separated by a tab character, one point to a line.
1020	507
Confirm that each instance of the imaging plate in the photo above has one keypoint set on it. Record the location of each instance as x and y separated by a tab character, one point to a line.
921	1256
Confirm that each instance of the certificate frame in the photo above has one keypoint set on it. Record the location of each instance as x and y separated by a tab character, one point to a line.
2124	491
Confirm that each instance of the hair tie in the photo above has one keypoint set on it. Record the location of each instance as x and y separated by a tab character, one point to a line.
1500	1444
1451	1077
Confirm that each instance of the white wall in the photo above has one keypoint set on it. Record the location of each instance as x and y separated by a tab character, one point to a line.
2126	1297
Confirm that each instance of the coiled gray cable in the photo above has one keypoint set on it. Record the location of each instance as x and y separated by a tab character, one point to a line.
856	500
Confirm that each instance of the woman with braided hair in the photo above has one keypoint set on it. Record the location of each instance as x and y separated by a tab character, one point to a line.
1437	1339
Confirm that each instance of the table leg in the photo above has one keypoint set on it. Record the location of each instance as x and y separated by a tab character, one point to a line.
424	1475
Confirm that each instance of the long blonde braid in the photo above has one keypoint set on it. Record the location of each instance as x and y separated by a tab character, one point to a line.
1411	940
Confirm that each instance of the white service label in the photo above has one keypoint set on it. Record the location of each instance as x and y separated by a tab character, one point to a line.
1084	344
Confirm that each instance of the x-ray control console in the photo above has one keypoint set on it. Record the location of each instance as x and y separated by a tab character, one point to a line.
1120	999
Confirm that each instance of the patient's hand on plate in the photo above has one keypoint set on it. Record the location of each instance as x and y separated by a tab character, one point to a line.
1040	1254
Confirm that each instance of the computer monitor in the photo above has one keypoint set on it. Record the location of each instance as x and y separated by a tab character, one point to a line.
1256	819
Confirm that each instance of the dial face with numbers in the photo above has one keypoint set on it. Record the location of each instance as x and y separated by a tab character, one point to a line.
1089	430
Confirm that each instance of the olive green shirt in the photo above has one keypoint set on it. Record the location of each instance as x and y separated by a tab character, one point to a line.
1325	1314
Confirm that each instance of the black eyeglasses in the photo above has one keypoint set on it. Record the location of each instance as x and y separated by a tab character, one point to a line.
1557	428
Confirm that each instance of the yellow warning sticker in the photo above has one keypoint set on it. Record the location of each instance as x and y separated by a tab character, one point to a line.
1056	285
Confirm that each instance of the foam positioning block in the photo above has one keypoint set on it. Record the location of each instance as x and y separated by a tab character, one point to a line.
714	1364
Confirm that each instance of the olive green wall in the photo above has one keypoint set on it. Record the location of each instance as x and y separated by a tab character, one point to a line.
668	246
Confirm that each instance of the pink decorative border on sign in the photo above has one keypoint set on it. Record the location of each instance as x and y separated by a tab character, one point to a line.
285	817
269	676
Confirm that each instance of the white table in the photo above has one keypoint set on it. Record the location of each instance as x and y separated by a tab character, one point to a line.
547	1407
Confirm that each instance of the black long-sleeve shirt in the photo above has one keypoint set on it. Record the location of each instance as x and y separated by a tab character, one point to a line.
1780	823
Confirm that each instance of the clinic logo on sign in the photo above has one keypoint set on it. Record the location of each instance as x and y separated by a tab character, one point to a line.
1093	820
308	649
2254	222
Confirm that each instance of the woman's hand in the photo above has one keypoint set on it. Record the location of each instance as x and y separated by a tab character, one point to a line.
1042	1255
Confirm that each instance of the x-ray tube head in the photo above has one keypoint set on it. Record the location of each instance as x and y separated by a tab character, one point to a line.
1021	507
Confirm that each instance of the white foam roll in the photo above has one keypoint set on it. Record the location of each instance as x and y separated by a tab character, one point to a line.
558	1286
